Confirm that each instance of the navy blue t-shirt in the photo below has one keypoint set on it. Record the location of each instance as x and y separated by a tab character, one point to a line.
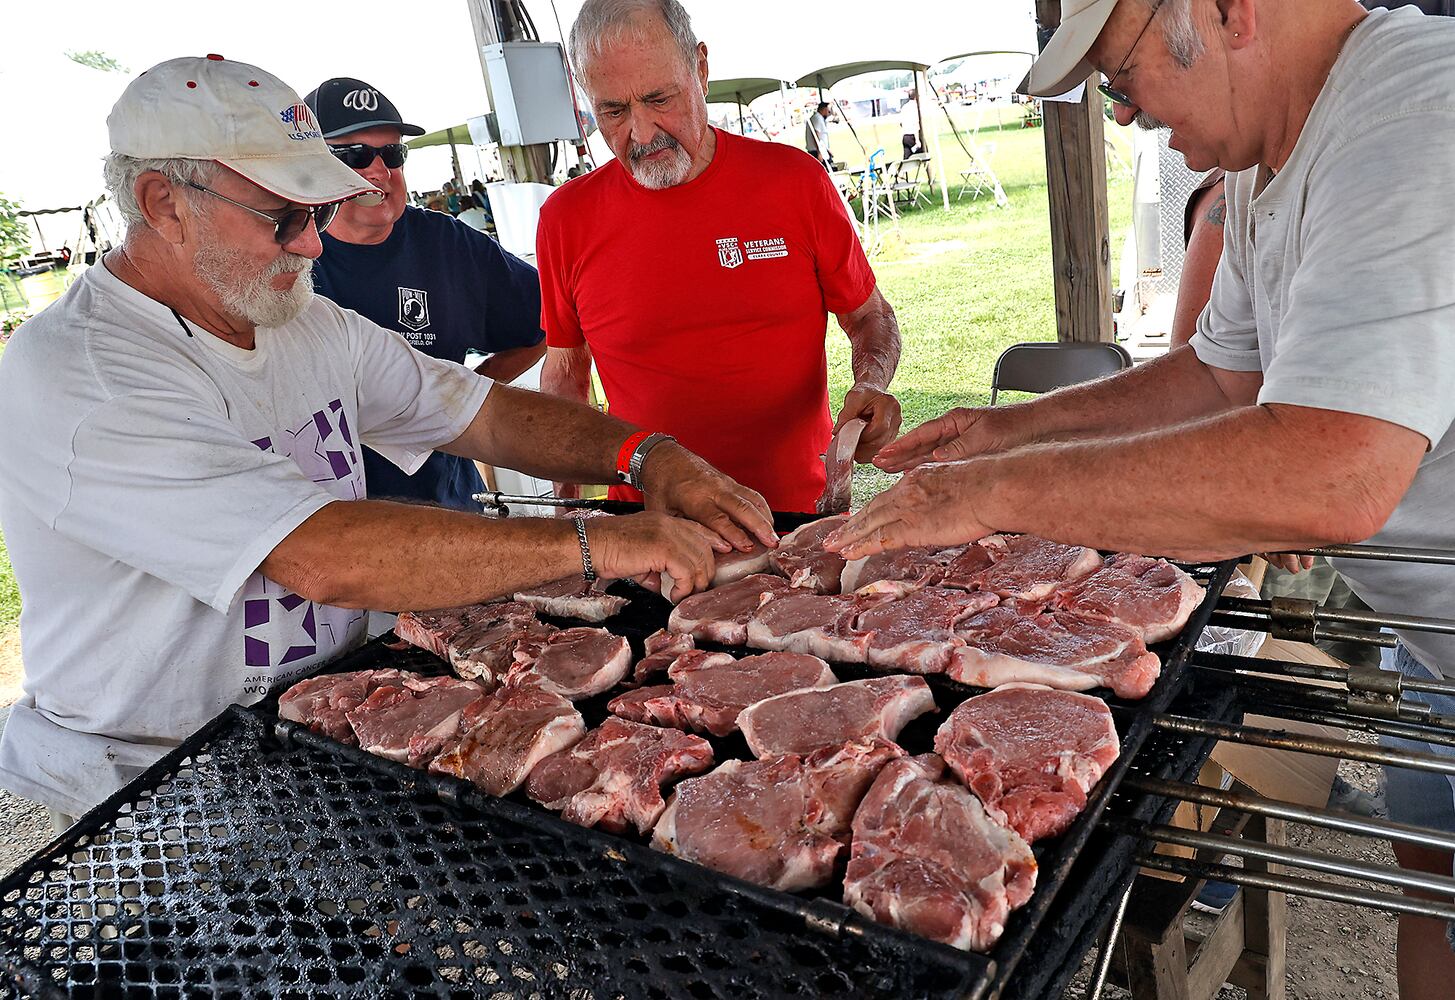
447	288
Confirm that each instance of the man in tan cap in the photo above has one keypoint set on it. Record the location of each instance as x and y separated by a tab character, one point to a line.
1323	360
181	424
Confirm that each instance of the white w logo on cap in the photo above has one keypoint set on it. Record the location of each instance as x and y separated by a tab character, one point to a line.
362	100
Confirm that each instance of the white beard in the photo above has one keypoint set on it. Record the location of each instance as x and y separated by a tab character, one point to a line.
654	175
250	295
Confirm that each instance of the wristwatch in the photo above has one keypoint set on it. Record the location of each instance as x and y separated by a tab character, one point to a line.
629	470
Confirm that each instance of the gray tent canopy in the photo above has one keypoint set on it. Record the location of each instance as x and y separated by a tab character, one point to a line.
830	75
742	91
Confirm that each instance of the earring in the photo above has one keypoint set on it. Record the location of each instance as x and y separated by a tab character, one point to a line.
1235	34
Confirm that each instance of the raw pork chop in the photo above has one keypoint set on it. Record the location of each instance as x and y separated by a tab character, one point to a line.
780	822
321	702
915	567
927	858
805	721
487	650
819	624
1151	596
410	723
662	647
711	689
506	733
573	597
1025	567
728	567
1030	753
721	614
1057	648
576	663
800	556
434	630
838	463
917	631
614	777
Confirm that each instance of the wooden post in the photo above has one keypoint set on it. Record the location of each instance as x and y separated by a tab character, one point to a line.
1076	182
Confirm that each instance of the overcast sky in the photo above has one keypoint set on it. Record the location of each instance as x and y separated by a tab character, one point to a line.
421	53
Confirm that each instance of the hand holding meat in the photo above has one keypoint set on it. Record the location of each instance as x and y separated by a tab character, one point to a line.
678	482
933	504
880	409
636	545
960	434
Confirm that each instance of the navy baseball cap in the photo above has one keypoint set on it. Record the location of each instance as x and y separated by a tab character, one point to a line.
343	105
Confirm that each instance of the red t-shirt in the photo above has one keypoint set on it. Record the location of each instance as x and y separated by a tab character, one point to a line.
705	305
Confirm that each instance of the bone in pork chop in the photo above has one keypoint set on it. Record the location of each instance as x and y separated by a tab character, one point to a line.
728	567
486	651
914	567
1060	649
503	735
573	597
411	723
613	778
838	463
805	721
1150	596
662	648
1031	753
1024	567
321	703
818	624
435	630
917	631
801	557
926	858
780	822
576	663
721	614
709	690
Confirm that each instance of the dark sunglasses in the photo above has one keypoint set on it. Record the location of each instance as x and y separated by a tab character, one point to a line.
288	223
1107	88
358	155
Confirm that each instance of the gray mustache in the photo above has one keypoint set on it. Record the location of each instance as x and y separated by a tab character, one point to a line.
661	142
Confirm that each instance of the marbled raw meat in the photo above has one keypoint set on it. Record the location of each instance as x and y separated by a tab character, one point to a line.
728	567
1150	596
662	647
321	703
800	621
1032	754
1024	567
916	632
504	735
576	662
721	614
838	461
912	567
928	859
613	778
573	597
808	720
781	822
1013	642
410	724
801	557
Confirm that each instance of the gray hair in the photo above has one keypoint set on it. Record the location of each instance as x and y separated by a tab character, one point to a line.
1180	33
121	173
602	19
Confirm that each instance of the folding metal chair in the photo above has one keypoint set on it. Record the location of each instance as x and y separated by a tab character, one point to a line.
1041	367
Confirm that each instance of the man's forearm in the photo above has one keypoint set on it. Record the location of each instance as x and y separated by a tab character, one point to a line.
402	557
507	366
567	373
874	343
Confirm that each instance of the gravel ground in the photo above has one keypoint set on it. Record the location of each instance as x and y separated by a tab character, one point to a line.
24	826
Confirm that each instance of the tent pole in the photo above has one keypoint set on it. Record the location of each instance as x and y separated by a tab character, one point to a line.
932	140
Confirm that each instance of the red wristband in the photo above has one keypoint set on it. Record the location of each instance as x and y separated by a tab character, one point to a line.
624	456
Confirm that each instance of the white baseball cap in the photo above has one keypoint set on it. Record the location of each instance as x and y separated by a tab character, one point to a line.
1062	63
244	118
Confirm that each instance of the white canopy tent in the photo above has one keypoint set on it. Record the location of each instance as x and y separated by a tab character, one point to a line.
742	91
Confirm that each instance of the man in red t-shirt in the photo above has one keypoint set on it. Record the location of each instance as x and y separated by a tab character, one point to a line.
698	269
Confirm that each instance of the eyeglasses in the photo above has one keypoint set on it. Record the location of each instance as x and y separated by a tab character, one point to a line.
1106	88
288	223
358	155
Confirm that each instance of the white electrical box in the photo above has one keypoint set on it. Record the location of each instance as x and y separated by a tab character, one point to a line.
530	91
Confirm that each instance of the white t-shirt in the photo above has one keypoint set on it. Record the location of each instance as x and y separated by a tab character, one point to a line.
1337	281
144	476
818	135
475	218
909	117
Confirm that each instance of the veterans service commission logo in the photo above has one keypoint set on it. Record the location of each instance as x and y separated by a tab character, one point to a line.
733	252
413	308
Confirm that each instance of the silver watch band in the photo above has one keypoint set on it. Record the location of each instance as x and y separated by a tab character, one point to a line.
639	458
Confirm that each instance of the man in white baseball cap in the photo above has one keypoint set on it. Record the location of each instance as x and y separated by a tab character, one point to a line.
182	424
1322	362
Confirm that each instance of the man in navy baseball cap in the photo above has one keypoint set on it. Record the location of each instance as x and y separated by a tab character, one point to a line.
343	105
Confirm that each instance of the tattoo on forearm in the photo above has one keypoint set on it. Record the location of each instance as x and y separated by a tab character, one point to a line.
1219	211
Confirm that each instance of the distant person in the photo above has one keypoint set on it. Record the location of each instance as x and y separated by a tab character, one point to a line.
698	269
472	215
444	286
436	203
909	126
816	135
452	197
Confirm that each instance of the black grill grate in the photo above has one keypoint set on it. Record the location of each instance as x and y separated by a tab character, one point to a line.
241	867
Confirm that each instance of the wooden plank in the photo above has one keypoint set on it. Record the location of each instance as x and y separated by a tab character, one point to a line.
1219	952
1076	182
1263	969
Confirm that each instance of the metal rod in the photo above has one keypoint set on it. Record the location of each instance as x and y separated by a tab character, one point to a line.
1103	961
1388	553
1422	732
1257	805
497	499
1252	621
1331	891
1284	668
1293	857
1253	736
1348	616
